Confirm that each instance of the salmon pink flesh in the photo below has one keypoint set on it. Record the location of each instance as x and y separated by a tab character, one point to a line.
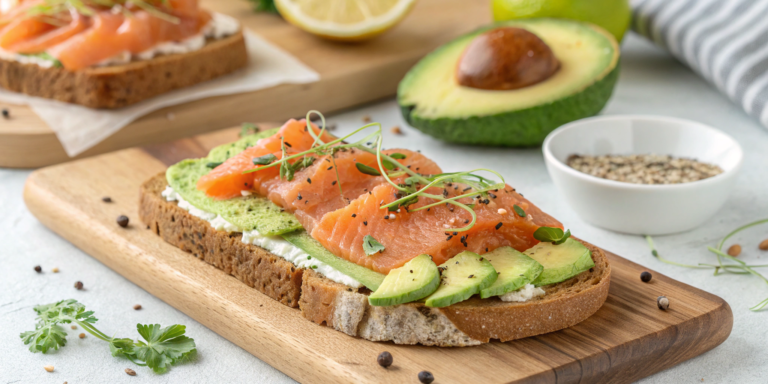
353	189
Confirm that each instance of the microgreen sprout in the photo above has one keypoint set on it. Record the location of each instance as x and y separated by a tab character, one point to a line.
415	186
739	268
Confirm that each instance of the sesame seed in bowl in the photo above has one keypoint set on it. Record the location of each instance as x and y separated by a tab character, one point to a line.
648	175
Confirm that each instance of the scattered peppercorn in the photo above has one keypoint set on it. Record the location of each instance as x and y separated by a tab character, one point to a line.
130	372
48	368
106	199
734	250
137	307
6	113
82	335
79	285
426	377
396	130
366	119
663	303
74	327
55	270
38	269
122	221
763	245
646	276
384	359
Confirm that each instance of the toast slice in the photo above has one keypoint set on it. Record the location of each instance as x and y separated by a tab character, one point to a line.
122	85
323	301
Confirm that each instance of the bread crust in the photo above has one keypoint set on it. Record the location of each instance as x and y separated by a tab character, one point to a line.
122	85
325	302
270	274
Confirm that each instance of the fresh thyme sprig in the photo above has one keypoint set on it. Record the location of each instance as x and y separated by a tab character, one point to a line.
389	168
740	268
49	9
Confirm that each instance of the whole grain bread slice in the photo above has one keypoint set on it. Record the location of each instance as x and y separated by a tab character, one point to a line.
323	301
122	85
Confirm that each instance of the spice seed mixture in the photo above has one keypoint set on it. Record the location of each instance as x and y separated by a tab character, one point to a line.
644	169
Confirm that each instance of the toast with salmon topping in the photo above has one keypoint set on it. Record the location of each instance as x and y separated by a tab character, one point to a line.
379	272
107	59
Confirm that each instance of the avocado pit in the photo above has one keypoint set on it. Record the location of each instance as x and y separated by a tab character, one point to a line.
504	59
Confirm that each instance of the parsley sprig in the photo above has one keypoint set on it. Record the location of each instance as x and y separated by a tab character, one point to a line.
159	349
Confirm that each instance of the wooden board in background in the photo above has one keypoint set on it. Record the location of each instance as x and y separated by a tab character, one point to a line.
350	74
627	339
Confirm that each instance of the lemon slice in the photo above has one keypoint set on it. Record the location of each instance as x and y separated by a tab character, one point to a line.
347	20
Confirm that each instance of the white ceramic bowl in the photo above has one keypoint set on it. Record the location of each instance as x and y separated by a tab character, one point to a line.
637	208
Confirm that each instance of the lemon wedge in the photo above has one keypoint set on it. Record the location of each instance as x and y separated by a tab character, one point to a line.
346	20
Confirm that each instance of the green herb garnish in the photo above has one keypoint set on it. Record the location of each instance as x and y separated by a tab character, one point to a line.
161	347
731	265
518	210
398	156
213	164
49	10
416	185
264	6
264	160
552	235
45	56
371	246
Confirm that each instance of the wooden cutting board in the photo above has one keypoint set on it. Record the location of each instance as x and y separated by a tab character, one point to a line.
627	339
350	74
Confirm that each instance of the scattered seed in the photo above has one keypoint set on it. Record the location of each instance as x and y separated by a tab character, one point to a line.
734	250
137	307
55	270
365	222
646	276
38	269
48	368
384	359
309	180
499	225
82	335
366	119
130	372
122	221
426	377
79	285
354	215
663	303
396	130
106	199
74	327
502	211
763	245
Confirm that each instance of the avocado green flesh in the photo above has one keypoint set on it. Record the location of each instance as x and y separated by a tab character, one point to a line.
463	275
413	281
514	269
301	239
561	262
432	100
247	212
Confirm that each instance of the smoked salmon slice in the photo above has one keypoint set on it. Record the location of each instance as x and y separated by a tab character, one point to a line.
406	235
79	41
341	220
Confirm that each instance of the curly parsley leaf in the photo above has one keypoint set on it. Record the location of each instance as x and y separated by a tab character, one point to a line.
163	347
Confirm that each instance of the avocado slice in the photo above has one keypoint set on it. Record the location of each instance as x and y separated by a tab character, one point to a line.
561	262
514	269
432	100
301	239
413	281
462	276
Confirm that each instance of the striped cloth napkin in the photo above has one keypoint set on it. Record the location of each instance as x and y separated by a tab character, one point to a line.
724	41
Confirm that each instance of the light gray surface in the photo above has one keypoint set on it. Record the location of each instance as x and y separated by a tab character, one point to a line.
651	83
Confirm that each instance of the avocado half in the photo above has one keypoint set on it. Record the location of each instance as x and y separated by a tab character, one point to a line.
432	101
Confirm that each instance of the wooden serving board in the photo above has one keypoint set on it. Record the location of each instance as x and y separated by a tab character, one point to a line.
350	74
627	339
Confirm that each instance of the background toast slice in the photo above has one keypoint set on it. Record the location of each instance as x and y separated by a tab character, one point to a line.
122	85
323	301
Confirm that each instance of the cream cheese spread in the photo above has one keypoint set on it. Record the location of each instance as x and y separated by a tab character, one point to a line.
275	244
218	27
523	294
